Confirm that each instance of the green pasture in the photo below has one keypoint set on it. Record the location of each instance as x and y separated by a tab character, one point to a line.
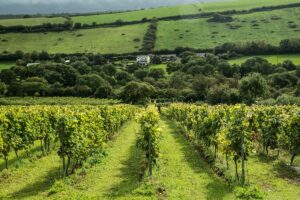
138	15
160	66
32	21
179	10
241	4
100	40
271	27
274	59
6	64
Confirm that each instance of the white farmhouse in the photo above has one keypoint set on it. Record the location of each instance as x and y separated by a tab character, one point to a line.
201	54
143	59
32	64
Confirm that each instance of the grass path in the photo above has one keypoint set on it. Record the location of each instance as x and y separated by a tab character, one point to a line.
182	173
30	180
117	176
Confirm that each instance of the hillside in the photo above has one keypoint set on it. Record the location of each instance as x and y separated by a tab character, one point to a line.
104	40
181	10
272	27
125	31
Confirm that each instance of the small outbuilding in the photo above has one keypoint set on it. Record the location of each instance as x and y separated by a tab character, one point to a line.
143	59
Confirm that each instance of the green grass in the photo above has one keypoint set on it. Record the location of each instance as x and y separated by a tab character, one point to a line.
160	66
182	173
138	15
99	40
55	101
6	64
198	33
274	59
273	176
32	21
29	178
276	180
241	4
119	175
179	10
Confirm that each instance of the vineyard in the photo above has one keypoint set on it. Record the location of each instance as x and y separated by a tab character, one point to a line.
238	130
146	153
80	130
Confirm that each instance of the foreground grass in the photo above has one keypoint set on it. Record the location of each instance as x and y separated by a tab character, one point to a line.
118	176
29	178
274	59
32	21
99	40
182	174
276	179
271	27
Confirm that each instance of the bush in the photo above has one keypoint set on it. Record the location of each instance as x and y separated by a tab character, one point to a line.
248	193
252	87
157	73
3	88
220	18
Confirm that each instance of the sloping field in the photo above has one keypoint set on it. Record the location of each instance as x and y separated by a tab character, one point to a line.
32	21
179	10
100	40
274	59
270	26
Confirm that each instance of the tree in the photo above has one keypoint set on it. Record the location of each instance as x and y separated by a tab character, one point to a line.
200	85
83	90
69	74
135	92
290	46
109	70
156	60
81	67
289	65
256	64
34	86
220	18
77	25
225	68
104	91
8	76
157	73
3	88
297	91
173	67
132	68
252	87
99	59
19	54
218	94
123	77
93	81
44	55
141	73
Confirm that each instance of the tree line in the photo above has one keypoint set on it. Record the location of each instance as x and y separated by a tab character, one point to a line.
210	78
